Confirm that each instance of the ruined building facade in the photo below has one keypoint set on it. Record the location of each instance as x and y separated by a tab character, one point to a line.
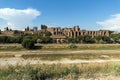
58	33
61	33
76	32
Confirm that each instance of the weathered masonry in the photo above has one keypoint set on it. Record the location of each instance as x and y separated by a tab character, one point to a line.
58	33
76	32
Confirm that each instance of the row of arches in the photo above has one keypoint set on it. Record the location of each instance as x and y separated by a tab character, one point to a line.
89	33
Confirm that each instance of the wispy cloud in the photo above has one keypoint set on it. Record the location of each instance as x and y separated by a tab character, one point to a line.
113	23
18	19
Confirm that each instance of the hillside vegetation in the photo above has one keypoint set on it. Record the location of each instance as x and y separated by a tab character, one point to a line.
113	38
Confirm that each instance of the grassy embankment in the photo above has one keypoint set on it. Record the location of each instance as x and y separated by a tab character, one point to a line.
11	47
59	49
18	47
81	56
80	47
50	72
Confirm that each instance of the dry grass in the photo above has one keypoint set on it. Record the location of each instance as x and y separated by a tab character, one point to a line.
69	72
72	56
81	46
6	55
18	47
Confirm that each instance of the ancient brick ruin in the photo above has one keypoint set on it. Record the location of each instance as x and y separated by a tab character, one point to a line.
58	33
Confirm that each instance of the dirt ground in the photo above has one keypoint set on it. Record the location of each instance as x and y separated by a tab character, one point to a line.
18	60
60	51
21	61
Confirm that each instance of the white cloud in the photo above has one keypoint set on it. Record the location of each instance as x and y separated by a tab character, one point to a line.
18	19
112	23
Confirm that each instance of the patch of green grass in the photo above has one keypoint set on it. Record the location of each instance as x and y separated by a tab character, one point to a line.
80	46
82	56
18	47
11	48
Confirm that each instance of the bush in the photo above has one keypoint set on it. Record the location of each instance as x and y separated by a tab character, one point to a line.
72	46
28	44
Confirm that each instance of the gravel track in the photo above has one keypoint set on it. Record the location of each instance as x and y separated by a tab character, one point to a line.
21	61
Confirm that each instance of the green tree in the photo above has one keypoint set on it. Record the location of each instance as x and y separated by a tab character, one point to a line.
43	27
47	39
88	39
28	44
115	38
70	40
98	39
81	39
48	33
106	39
3	39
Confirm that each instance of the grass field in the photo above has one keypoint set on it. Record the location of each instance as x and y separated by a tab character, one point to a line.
18	47
63	54
57	52
81	56
80	46
61	51
53	72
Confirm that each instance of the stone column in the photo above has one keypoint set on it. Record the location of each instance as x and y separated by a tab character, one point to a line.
103	33
81	33
89	33
99	33
68	34
107	33
92	33
95	33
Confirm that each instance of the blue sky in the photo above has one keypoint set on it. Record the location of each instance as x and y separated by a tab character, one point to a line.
88	14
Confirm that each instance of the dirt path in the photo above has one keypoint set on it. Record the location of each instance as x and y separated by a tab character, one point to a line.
21	61
61	52
18	60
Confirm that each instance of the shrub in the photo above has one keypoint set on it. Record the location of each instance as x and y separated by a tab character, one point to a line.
72	46
39	40
28	44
